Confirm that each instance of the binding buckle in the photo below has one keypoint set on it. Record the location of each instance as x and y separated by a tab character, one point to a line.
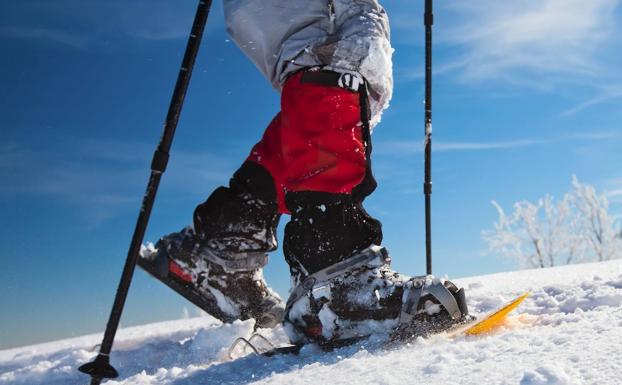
454	305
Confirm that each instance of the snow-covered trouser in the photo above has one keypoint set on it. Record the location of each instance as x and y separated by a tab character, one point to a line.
283	37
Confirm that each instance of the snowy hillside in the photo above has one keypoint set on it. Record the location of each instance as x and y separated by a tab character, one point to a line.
569	331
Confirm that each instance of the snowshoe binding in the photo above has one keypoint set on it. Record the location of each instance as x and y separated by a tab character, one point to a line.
361	296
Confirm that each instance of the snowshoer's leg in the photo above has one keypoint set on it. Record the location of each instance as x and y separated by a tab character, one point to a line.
318	141
344	286
218	264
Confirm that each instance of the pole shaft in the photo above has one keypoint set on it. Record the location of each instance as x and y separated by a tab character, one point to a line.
427	187
158	166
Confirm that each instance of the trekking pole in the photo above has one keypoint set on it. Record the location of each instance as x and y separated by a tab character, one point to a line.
100	368
428	20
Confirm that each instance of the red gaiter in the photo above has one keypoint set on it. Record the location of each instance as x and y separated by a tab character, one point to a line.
316	142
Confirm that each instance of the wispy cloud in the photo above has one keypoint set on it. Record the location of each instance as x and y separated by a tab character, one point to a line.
45	34
166	21
402	147
439	69
416	146
614	191
79	24
409	147
103	179
512	39
548	45
608	94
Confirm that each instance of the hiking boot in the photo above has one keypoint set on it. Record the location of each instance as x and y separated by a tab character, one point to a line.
362	296
217	265
228	287
324	229
344	287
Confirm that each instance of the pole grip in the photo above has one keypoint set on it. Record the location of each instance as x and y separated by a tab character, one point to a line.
427	188
428	19
159	161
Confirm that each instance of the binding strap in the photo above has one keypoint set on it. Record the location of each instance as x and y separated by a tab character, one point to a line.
373	256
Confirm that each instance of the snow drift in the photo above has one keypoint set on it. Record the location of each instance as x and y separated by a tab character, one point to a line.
567	332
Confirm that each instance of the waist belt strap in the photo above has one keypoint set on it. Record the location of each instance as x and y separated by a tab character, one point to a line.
351	81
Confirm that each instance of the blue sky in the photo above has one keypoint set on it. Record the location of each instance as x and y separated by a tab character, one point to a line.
526	94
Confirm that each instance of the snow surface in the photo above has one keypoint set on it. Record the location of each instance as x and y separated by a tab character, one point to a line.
569	331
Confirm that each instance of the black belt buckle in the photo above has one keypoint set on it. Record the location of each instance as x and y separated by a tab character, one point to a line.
346	80
349	81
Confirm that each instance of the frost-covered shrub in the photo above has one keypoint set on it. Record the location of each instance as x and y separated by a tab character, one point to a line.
552	232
